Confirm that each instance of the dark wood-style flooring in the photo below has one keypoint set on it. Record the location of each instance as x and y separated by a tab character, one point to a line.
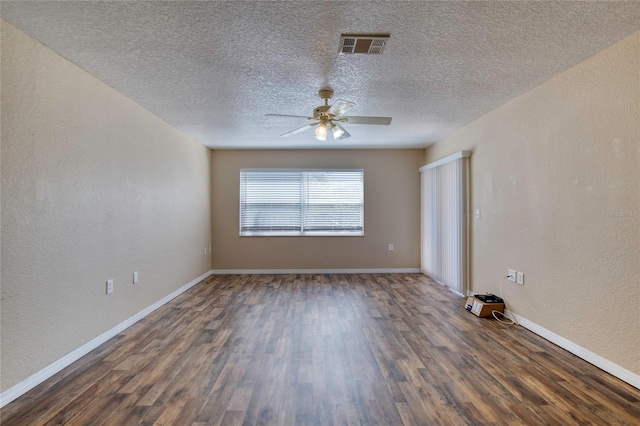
386	349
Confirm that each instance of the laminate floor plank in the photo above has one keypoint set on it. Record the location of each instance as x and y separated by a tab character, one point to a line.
310	349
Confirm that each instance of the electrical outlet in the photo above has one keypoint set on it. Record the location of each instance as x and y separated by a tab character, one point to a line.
109	286
135	277
478	214
511	275
390	247
520	279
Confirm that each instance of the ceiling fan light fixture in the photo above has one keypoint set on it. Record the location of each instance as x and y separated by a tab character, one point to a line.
337	131
321	132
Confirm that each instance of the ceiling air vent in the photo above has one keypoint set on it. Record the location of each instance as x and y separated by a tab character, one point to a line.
363	43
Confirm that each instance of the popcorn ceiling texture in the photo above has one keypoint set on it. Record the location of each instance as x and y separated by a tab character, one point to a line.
94	187
213	69
556	173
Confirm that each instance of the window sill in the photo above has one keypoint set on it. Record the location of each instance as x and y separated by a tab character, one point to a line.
302	234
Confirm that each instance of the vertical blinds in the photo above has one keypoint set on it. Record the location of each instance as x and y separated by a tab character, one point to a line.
301	202
444	221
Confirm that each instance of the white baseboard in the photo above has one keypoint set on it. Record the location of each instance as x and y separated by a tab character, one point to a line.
315	271
592	358
566	344
47	372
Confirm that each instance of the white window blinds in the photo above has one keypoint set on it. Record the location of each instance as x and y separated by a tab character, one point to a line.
444	221
301	202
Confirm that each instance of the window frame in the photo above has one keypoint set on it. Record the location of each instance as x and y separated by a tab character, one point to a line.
300	233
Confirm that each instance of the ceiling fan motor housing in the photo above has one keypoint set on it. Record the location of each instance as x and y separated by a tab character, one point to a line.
320	111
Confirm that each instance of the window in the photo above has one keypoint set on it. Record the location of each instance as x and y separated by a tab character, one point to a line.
301	202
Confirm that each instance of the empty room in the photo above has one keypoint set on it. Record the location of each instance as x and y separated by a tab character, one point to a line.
320	213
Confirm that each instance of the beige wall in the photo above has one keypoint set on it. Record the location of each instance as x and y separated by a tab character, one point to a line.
547	168
391	212
94	187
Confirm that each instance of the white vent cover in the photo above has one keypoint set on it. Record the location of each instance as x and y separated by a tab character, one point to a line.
363	43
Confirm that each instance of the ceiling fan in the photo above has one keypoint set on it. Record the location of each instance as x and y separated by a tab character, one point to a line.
328	118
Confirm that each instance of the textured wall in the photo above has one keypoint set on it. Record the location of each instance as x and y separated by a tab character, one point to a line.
556	173
94	187
391	212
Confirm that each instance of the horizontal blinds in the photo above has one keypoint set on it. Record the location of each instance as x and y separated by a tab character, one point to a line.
296	202
270	201
333	200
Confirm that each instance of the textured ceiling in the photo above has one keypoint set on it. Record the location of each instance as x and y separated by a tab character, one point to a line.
213	69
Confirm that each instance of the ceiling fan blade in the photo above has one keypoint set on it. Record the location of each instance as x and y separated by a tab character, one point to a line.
340	107
285	115
298	130
368	120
